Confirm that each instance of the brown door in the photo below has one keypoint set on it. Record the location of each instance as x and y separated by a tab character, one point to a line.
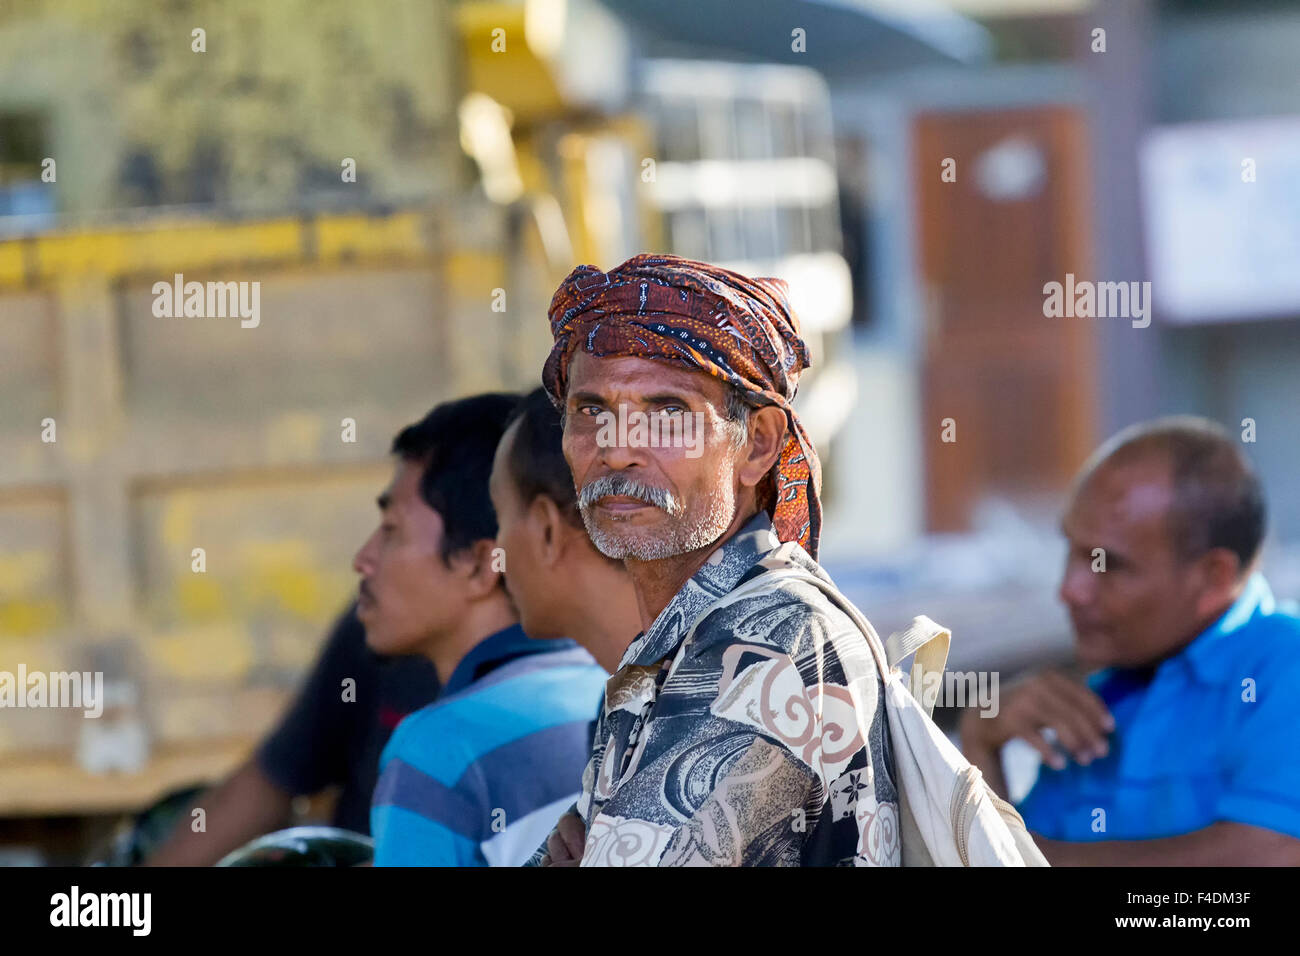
1018	386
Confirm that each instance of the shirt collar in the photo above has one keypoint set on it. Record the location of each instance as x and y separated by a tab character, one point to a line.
1209	655
493	651
721	572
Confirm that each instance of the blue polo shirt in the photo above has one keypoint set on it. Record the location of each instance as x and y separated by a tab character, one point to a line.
480	776
1211	734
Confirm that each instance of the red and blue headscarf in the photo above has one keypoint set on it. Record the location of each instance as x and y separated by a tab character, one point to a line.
705	318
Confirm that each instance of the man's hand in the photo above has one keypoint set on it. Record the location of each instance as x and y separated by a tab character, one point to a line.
565	844
1076	715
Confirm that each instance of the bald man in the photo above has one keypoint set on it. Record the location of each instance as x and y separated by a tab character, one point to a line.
1181	748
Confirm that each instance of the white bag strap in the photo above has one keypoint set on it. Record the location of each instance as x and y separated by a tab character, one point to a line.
928	640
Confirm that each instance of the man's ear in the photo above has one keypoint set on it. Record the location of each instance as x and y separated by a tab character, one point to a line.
481	568
545	518
767	430
1221	576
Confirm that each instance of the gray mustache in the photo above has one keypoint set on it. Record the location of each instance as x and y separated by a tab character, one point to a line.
598	488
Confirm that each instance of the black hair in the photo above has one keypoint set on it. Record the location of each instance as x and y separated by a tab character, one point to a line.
1218	501
455	443
536	459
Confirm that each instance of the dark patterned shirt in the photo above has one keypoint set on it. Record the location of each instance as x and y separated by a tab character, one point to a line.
762	741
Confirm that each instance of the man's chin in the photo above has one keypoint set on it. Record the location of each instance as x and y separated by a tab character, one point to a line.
620	536
1094	652
386	644
375	644
619	545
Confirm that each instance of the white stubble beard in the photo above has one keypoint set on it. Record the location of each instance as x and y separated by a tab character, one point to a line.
698	528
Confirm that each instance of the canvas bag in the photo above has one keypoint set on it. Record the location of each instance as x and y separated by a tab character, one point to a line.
948	814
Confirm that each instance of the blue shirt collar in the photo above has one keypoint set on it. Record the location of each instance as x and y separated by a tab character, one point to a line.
1210	655
495	650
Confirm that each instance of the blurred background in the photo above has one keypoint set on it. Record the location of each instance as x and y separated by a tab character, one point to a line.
409	180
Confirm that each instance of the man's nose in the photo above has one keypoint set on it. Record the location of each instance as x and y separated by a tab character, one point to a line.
363	561
1077	583
616	456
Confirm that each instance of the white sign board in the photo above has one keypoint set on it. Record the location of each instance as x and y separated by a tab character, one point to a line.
1222	210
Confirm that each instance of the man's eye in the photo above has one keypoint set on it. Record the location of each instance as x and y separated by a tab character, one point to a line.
588	410
672	410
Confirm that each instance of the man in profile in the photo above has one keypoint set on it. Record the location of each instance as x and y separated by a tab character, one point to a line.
559	583
481	775
1181	748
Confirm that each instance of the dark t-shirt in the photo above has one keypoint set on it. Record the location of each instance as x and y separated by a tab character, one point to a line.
324	739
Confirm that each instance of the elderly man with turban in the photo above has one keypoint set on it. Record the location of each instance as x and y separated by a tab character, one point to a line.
745	723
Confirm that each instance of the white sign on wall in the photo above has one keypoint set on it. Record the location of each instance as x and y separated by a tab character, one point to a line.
1222	210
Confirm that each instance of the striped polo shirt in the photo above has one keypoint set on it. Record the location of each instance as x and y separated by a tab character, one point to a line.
479	777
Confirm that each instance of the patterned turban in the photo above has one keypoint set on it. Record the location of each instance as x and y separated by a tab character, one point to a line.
704	318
